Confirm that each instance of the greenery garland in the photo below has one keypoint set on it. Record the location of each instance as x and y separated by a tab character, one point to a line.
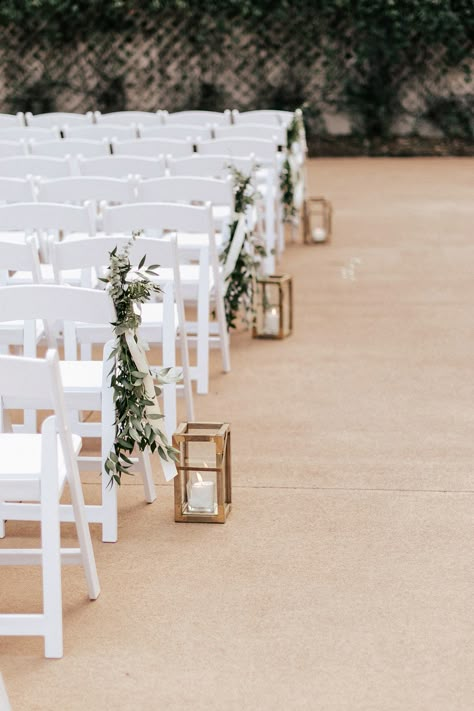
295	133
241	281
135	426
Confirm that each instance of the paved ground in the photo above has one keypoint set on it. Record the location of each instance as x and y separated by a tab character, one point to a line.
343	579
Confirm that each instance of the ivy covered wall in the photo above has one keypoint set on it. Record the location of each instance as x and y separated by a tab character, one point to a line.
374	76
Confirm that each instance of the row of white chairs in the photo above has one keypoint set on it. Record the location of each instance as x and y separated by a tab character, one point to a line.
147	118
111	132
120	167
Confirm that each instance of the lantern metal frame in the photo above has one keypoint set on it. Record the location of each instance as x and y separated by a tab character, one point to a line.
282	281
222	440
321	208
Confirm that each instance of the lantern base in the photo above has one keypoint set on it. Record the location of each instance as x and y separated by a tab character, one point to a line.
190	515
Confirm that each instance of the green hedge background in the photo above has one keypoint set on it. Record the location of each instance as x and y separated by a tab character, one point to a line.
374	76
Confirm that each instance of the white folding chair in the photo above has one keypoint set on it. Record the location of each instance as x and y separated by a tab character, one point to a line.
202	118
269	160
19	257
13	148
16	190
70	147
176	131
47	222
271	116
128	118
200	282
160	321
269	132
122	166
86	383
97	132
58	118
22	166
12	120
194	190
153	147
210	166
96	190
35	468
26	133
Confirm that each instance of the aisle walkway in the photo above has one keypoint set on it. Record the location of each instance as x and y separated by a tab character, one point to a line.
343	580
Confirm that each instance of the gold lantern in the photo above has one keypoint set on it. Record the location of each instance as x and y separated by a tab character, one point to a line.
203	485
273	306
317	220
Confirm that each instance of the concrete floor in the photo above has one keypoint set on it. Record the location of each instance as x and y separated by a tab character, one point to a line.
343	579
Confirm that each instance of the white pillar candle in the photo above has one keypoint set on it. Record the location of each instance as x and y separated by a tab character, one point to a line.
271	324
318	234
201	494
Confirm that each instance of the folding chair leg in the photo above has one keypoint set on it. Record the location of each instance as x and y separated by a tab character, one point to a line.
2	523
51	558
84	536
223	332
144	466
109	488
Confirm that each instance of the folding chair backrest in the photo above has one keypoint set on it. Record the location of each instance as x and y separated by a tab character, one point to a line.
81	254
158	216
16	190
33	382
270	132
97	132
19	257
47	216
213	166
122	166
54	303
70	147
179	131
202	118
22	166
26	132
272	116
153	147
262	149
12	120
187	190
128	118
77	190
58	118
13	148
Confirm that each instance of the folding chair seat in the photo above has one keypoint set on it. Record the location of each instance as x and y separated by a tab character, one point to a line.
122	167
58	118
153	147
35	468
201	282
210	166
86	384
